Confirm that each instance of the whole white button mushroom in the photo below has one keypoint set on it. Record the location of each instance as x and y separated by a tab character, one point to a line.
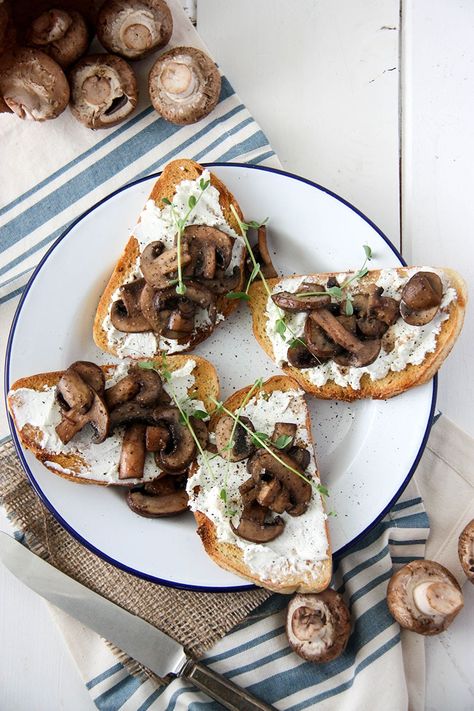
424	597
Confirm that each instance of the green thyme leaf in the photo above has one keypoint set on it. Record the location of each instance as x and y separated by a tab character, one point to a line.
181	289
296	342
238	295
223	495
280	326
362	272
200	414
231	513
204	184
166	201
368	251
146	365
258	438
254	273
348	309
192	201
255	225
332	513
322	490
282	441
183	419
335	291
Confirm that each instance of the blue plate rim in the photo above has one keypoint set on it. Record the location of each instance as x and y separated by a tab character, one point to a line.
140	574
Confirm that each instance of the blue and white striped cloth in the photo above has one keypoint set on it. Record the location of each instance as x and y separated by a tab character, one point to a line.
57	171
256	654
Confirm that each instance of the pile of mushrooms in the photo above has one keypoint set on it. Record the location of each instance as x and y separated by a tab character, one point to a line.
139	406
152	304
318	626
37	47
272	487
356	340
424	597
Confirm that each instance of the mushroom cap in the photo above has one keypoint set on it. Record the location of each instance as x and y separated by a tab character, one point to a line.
103	90
421	298
33	85
60	33
466	550
318	625
134	28
424	597
184	85
241	445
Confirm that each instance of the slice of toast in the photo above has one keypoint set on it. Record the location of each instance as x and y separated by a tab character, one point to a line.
393	382
73	461
126	269
302	563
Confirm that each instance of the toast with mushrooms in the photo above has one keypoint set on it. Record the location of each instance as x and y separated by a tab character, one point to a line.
257	500
346	337
145	308
117	425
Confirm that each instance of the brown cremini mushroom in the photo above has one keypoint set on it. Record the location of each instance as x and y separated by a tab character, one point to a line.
241	445
318	626
262	254
181	448
134	28
73	421
297	301
156	438
103	90
133	452
359	353
160	266
126	313
209	249
299	356
424	597
60	33
91	373
263	466
160	497
421	298
253	526
33	85
80	403
466	550
184	85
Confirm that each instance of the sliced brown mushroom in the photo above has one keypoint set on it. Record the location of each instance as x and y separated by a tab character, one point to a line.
60	33
33	85
184	85
318	342
73	393
263	463
158	498
318	626
126	312
263	256
200	430
424	597
129	412
133	453
301	456
160	266
466	550
421	298
374	312
134	28
223	283
297	301
273	495
360	353
74	421
131	398
181	448
209	248
299	356
156	437
91	373
252	526
284	429
241	445
103	90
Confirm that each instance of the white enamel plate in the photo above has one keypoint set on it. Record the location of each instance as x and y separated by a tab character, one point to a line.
367	451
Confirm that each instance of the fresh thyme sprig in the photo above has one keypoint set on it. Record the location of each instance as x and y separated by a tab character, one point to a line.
338	291
180	223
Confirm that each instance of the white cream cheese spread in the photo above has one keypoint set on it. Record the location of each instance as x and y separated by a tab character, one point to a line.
303	542
402	344
157	223
40	409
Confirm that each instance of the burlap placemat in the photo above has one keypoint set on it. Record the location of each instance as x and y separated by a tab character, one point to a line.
196	620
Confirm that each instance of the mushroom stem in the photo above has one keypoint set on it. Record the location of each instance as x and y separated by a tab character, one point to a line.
437	598
132	456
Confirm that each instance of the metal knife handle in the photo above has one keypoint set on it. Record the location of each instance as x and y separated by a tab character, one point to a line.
221	689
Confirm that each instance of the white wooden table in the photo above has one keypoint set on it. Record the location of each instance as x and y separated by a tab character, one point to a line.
380	112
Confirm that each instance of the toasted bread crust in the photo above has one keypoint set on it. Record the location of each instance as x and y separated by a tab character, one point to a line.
393	383
230	556
206	386
165	187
